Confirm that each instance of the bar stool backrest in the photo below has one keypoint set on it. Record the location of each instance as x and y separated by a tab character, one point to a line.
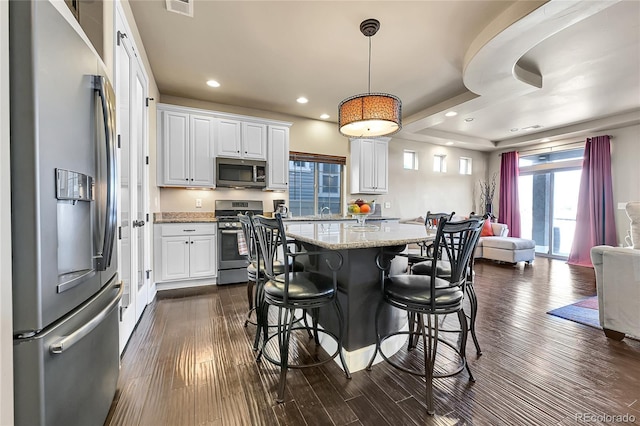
271	239
250	238
457	240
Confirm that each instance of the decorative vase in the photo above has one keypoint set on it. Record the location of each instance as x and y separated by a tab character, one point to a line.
488	209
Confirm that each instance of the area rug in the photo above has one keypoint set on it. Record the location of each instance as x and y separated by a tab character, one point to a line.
584	311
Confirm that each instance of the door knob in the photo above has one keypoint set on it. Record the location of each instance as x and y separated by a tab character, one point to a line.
138	223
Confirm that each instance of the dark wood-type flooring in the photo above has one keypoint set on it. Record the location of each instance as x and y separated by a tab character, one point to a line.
189	362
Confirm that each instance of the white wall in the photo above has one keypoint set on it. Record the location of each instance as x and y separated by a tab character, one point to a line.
6	335
413	192
625	169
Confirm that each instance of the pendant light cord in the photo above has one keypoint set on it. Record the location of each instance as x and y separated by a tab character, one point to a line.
369	87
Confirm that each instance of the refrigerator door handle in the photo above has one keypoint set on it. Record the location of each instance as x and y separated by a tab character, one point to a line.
107	235
68	341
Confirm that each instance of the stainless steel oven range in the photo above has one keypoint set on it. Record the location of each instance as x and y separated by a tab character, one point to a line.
232	266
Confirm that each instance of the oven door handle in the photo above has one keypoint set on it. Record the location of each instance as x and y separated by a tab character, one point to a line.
235	231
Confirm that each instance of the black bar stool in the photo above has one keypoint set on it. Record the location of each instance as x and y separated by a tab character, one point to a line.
431	296
291	290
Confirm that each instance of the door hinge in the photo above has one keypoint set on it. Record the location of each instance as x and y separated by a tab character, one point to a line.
119	232
146	160
149	99
148	271
121	35
118	141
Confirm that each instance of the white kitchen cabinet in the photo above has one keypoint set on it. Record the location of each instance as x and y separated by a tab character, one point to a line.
185	251
278	158
241	139
369	166
186	153
254	141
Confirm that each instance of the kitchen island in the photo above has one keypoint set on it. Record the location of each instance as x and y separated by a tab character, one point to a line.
359	279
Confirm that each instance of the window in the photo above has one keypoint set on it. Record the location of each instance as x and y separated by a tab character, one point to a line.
439	163
465	165
547	191
410	160
315	182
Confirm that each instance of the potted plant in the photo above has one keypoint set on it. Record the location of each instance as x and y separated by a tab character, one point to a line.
487	191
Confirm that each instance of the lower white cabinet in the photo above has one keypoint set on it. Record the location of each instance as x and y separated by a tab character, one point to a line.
186	251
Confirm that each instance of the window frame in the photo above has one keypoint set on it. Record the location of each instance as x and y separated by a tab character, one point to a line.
440	163
414	159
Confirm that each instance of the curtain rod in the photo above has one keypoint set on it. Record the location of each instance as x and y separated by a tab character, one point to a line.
554	146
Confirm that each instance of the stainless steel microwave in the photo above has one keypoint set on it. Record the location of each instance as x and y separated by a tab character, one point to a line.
238	173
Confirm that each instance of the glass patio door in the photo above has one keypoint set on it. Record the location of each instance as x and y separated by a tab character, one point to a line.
548	208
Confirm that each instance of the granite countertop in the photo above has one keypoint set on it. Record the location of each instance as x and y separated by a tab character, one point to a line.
341	236
334	218
184	217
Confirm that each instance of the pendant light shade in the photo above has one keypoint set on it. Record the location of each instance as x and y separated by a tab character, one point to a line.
370	114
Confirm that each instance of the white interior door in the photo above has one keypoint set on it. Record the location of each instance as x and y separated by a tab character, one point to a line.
139	145
132	123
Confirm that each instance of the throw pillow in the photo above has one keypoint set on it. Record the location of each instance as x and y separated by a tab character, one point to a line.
486	229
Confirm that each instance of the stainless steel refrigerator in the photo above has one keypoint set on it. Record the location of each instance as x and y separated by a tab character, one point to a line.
63	172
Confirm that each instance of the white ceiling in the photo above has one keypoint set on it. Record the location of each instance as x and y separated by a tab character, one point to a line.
571	67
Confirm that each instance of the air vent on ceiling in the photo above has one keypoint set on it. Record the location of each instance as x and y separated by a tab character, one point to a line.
183	7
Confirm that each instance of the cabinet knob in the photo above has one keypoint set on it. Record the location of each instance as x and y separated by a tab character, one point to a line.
186	242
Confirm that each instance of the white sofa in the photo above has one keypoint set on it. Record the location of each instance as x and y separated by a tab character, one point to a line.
618	281
618	286
502	248
499	247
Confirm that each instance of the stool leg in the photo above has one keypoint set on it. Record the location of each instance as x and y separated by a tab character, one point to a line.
341	331
430	344
413	338
261	320
250	297
375	323
315	313
285	322
462	317
473	300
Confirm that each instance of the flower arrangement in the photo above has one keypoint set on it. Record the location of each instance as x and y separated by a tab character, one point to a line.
487	191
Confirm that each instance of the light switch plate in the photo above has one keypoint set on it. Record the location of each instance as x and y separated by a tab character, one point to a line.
387	205
198	202
622	206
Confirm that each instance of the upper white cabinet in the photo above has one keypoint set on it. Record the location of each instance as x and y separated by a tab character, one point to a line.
190	139
278	158
241	139
369	166
186	156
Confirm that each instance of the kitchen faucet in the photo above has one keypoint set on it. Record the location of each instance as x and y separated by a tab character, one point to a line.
323	209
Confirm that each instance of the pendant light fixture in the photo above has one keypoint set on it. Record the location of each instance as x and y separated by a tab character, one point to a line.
370	114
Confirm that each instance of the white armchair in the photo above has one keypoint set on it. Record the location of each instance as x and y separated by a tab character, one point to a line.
618	286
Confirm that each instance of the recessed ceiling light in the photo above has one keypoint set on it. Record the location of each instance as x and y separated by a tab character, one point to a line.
469	119
324	116
449	143
515	129
545	140
213	83
302	100
451	114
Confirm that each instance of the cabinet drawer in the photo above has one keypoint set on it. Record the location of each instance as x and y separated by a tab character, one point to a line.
176	229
